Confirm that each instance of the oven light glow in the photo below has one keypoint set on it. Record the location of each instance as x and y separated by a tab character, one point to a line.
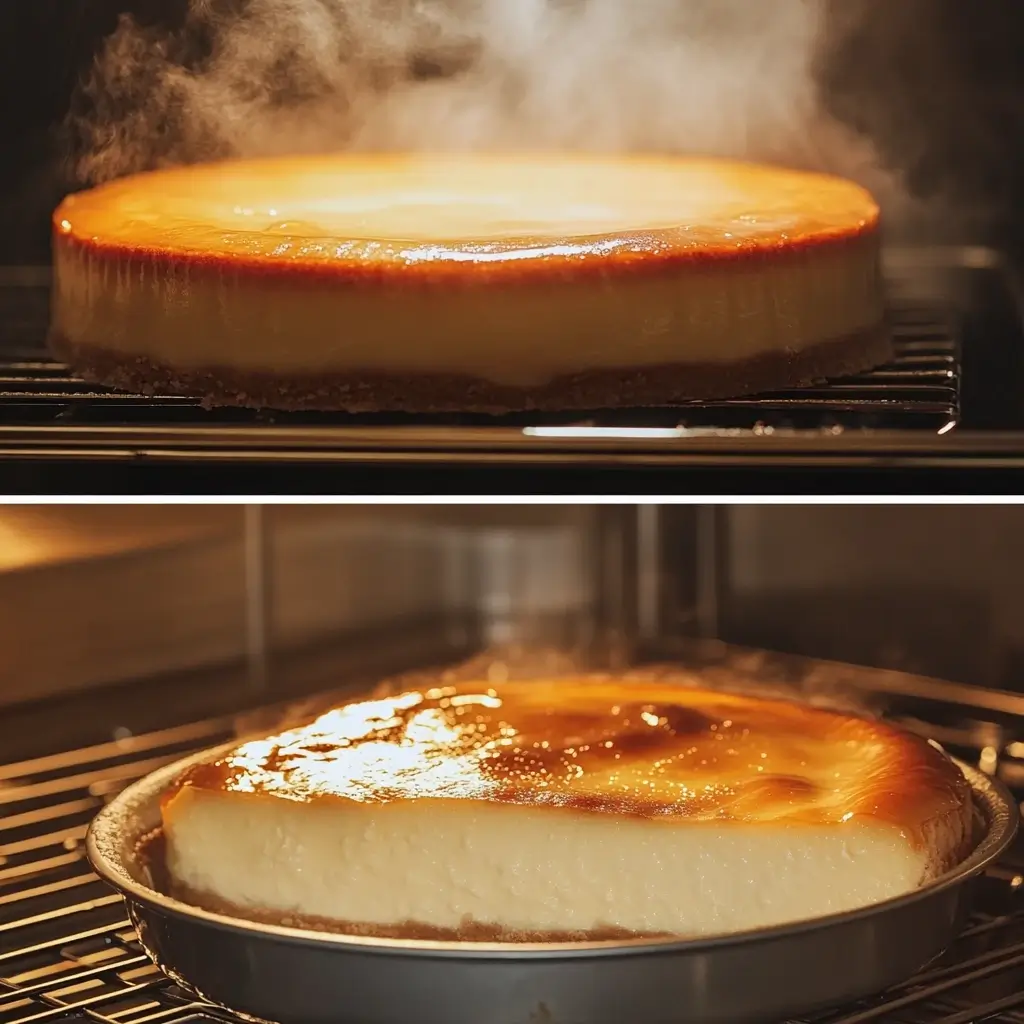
597	433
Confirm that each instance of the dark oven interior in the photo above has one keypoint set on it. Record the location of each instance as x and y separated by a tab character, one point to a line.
209	617
934	93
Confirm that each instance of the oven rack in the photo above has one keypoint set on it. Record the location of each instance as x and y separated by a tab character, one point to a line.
68	953
919	389
44	409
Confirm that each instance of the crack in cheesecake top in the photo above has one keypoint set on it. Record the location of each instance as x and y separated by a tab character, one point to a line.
595	744
454	211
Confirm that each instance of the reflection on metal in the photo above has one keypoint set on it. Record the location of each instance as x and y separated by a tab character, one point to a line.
649	572
614	564
599	433
257	597
708	571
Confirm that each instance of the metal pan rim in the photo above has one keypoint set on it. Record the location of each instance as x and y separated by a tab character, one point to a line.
106	845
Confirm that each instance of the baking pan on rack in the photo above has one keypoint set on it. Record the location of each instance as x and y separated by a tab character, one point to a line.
297	976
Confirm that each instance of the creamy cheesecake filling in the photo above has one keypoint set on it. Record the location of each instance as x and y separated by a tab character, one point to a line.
532	871
514	333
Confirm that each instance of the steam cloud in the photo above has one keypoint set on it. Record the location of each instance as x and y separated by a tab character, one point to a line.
722	77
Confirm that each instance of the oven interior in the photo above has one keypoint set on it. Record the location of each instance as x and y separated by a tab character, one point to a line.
178	631
934	92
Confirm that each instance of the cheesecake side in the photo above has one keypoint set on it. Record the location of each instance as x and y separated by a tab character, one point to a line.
520	874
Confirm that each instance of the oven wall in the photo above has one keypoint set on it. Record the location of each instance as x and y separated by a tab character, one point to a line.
936	589
96	596
100	596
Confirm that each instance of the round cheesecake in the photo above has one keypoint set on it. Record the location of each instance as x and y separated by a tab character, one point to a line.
586	807
468	282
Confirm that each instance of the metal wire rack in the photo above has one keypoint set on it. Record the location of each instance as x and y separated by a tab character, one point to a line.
68	952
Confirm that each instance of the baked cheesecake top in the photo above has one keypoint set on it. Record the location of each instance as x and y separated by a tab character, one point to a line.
432	215
657	749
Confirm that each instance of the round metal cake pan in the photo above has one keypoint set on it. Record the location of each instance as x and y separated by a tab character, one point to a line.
295	976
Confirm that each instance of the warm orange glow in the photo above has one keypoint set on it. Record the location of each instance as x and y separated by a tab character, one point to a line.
464	207
35	536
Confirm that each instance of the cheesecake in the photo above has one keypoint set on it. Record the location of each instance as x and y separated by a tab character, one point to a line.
468	283
591	807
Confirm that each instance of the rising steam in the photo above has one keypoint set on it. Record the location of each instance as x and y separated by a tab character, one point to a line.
722	77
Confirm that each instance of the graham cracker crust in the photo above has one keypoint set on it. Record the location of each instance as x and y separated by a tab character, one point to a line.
468	930
629	387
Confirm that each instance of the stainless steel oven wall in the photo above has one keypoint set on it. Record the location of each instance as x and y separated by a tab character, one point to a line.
92	595
933	589
478	576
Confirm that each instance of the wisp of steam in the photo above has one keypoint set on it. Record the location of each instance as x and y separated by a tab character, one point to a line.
720	77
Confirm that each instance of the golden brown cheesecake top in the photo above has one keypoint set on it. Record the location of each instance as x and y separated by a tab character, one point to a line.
432	217
636	748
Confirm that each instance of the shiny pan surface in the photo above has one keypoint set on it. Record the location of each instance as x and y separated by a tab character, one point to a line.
296	976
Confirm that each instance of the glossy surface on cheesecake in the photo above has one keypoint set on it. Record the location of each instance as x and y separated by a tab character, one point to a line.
507	215
595	747
686	811
517	272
